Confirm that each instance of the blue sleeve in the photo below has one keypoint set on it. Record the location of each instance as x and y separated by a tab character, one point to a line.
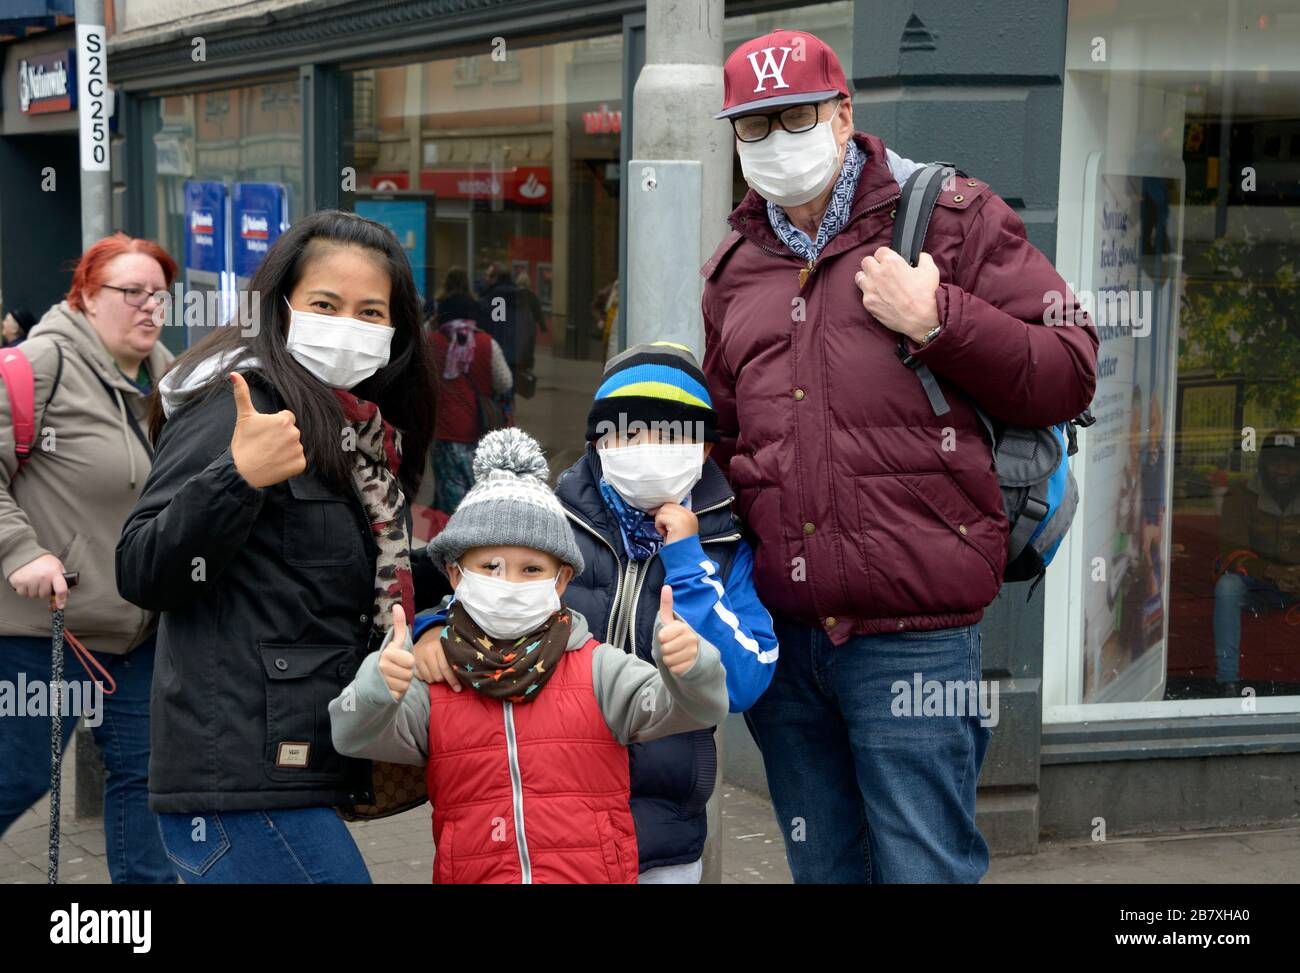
733	619
430	617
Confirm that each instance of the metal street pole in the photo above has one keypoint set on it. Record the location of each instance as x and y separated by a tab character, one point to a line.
92	108
96	205
679	181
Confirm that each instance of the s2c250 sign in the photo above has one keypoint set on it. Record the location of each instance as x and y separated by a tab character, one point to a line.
92	85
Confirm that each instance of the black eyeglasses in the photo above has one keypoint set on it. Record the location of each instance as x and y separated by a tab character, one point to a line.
139	297
795	119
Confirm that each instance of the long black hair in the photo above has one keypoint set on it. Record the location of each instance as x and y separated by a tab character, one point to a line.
402	389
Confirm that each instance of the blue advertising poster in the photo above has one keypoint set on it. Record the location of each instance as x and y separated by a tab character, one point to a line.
259	213
205	227
209	278
408	219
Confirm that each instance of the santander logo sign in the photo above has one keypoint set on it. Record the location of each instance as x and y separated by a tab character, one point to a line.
531	188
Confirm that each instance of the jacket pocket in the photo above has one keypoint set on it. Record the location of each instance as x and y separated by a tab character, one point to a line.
193	842
443	858
924	545
616	848
300	682
703	776
320	527
760	509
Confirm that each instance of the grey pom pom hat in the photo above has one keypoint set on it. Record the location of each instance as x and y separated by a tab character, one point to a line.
509	504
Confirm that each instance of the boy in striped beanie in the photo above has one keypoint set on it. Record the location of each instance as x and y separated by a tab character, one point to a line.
650	508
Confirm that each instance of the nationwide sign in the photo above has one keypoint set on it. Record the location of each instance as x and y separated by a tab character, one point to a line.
259	213
47	83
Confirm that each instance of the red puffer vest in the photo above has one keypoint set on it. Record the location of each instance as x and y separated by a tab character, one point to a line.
532	793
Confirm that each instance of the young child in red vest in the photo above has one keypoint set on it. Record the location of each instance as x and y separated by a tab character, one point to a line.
528	768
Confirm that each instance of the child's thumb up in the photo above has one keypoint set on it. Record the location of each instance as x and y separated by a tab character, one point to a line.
399	627
666	604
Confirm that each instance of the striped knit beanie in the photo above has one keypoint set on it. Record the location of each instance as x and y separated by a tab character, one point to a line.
510	504
658	383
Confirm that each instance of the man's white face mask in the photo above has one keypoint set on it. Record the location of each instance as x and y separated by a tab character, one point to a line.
790	169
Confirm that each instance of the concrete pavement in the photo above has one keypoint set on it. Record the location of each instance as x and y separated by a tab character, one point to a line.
400	850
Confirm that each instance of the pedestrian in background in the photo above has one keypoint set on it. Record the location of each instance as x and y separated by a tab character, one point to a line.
14	328
470	373
94	358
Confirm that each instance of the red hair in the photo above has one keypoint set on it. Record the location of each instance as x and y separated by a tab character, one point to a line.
92	268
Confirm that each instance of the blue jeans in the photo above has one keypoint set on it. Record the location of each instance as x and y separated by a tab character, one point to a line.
130	829
863	791
1233	594
308	845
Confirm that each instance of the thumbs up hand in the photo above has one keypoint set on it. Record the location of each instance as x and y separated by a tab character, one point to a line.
679	646
396	662
267	449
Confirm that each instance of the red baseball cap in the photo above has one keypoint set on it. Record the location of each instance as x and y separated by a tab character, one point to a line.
785	67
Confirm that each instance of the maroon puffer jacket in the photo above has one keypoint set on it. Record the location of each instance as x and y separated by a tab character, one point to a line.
874	515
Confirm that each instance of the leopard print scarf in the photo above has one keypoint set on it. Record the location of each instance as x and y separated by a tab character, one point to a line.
378	448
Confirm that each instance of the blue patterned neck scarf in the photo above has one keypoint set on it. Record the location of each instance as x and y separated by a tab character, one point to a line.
640	538
837	210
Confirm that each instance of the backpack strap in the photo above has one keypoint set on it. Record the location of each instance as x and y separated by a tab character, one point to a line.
131	420
911	221
20	386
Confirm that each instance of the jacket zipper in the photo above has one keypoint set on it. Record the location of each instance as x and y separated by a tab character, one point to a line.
636	592
620	611
625	611
613	607
517	794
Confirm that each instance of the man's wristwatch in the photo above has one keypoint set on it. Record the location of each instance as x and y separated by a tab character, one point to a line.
928	336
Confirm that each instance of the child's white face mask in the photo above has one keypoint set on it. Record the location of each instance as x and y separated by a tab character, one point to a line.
341	352
507	609
652	474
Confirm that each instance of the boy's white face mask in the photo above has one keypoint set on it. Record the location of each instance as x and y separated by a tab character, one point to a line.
652	474
507	609
341	352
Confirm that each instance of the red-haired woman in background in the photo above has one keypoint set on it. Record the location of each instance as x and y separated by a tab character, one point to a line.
95	357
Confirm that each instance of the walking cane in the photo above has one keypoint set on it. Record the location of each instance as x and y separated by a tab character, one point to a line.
56	730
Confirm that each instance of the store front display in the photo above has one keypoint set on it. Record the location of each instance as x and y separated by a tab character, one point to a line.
203	153
1180	229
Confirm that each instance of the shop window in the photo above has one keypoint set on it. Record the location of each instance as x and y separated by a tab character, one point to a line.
1179	593
503	172
205	153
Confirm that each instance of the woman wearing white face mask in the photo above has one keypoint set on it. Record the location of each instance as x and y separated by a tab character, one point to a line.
273	537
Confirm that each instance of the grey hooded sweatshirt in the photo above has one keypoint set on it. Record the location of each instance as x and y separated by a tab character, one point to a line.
85	473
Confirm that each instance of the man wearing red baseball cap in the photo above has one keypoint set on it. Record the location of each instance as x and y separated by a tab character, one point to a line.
880	528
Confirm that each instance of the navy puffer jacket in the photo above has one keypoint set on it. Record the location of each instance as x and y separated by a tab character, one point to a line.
672	778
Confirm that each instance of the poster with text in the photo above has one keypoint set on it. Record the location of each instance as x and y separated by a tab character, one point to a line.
1131	291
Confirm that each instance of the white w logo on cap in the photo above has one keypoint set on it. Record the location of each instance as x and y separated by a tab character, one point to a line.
770	69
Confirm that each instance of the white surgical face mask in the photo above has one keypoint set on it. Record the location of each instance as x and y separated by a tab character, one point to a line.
507	609
791	168
341	352
653	473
